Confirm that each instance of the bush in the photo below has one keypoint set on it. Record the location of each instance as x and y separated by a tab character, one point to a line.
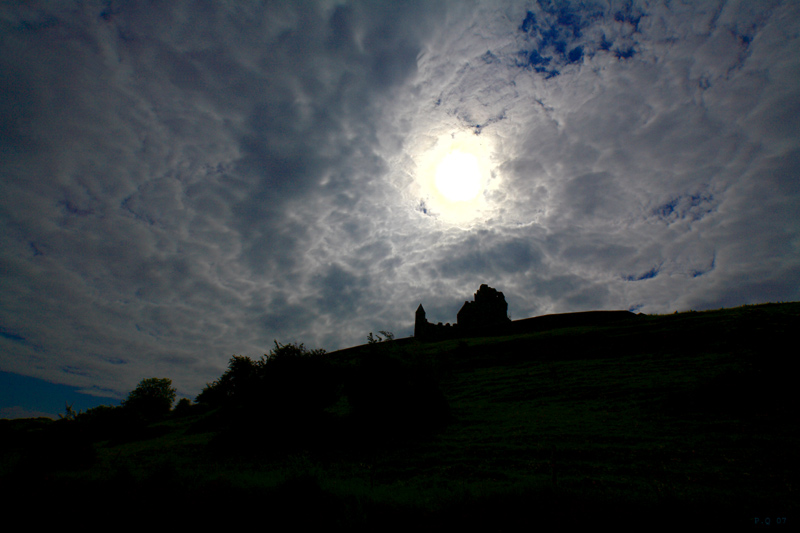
278	400
291	376
298	381
236	386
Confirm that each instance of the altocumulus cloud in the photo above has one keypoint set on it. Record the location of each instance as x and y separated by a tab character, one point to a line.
186	181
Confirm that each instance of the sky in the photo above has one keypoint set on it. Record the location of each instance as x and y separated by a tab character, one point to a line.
188	180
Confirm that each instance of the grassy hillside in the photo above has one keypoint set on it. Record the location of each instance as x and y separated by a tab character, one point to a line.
662	419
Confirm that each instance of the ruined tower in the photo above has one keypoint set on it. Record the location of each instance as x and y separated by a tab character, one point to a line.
420	322
487	310
487	313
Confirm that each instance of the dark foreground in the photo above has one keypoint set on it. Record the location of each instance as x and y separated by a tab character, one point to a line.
666	420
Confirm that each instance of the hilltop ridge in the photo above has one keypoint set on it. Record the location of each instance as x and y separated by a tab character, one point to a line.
666	418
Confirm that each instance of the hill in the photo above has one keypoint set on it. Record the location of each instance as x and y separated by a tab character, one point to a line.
649	421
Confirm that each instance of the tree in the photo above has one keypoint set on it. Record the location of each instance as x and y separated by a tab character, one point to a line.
277	402
236	386
300	380
152	397
287	371
291	351
183	408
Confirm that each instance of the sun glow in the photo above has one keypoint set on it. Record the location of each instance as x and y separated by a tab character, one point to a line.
458	176
452	175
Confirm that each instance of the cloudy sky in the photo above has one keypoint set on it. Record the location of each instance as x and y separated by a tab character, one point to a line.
184	181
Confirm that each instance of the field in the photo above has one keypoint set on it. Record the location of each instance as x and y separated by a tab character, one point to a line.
661	420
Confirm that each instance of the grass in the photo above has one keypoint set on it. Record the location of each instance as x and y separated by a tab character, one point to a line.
668	418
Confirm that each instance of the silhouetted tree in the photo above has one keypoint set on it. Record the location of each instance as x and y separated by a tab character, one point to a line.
292	351
300	382
278	401
236	386
151	398
288	371
183	407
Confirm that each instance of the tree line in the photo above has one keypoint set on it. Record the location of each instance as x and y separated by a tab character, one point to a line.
292	396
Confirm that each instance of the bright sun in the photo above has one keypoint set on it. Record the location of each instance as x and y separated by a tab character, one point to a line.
452	174
458	176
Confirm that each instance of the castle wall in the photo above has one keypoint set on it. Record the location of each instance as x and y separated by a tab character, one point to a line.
487	311
487	315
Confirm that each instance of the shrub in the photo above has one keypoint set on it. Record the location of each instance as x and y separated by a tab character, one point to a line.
236	386
290	375
387	336
299	382
279	399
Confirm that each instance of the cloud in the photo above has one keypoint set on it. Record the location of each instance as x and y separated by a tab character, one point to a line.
185	182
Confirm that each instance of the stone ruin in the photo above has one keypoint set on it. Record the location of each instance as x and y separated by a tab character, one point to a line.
486	314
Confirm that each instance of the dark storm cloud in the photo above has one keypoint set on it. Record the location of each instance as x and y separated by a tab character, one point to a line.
188	181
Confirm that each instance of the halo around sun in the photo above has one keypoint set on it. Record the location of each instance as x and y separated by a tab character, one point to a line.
452	174
458	176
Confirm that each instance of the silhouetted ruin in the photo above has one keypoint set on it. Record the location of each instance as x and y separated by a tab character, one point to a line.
487	315
488	309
